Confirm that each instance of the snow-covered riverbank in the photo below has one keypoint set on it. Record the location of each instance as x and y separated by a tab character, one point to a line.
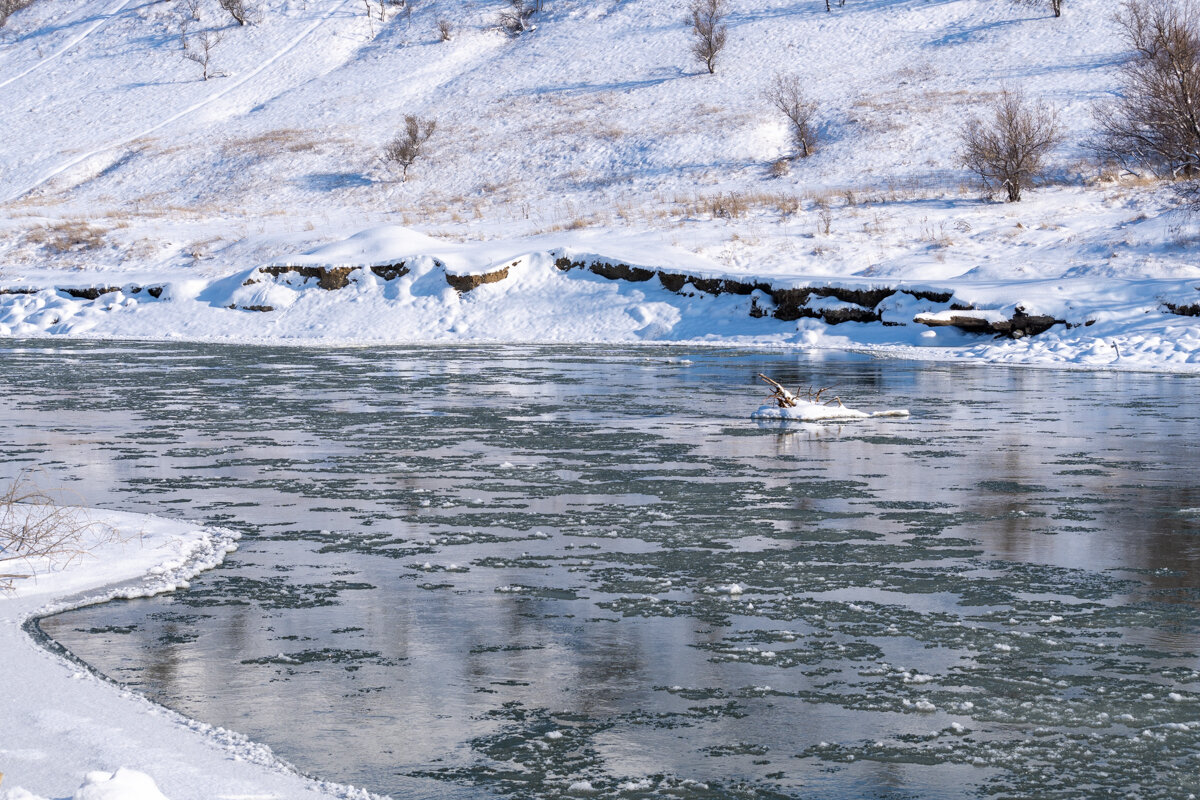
394	285
67	732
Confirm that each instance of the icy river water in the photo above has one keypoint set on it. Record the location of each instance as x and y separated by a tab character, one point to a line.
541	572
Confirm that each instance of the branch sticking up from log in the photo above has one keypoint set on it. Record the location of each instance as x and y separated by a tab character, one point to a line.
787	399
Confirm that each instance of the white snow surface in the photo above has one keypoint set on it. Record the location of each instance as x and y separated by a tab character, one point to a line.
819	412
596	134
70	734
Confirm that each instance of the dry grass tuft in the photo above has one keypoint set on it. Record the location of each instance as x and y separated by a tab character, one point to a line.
69	236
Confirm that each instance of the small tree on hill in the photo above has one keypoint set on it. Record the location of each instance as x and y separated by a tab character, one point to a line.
199	47
787	95
409	145
708	30
1008	150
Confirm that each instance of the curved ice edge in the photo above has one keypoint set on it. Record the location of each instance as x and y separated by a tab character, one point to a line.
204	554
812	412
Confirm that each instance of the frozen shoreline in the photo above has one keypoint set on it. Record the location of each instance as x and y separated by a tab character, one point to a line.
64	722
394	286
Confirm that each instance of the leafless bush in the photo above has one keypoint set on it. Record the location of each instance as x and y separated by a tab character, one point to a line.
1008	151
37	532
199	48
237	9
1056	7
780	168
407	147
1155	122
708	30
787	95
518	17
828	7
445	29
10	7
189	9
825	215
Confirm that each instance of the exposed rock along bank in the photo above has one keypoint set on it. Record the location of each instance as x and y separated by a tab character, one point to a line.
831	303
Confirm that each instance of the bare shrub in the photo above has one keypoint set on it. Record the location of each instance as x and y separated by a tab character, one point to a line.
445	29
708	30
828	7
518	17
199	48
237	9
1009	149
780	168
407	147
189	9
1155	123
787	95
10	7
1056	7
37	532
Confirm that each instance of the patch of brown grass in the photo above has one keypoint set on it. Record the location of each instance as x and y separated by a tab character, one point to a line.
68	236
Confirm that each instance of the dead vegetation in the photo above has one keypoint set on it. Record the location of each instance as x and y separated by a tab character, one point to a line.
784	398
10	7
39	532
70	236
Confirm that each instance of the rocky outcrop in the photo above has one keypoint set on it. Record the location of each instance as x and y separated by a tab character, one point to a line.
1183	310
465	283
1018	326
328	278
94	292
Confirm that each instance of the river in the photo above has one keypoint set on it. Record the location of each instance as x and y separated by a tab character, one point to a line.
508	572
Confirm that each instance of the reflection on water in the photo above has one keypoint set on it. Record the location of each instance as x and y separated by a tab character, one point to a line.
507	572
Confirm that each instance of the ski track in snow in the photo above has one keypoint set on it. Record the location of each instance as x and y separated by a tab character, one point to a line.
101	20
189	110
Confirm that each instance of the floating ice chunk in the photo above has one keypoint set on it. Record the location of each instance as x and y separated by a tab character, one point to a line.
506	465
815	412
581	787
554	735
733	589
1003	648
958	728
1175	697
636	786
924	706
124	784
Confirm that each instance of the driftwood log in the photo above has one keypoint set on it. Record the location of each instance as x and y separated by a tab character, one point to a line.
786	399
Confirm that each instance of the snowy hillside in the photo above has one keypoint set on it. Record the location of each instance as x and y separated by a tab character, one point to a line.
597	130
